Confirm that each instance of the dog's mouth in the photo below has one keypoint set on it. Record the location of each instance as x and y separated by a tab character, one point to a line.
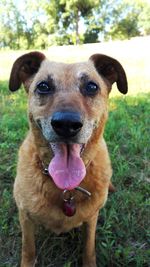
66	167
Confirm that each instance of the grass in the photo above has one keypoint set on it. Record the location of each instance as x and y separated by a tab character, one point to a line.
123	231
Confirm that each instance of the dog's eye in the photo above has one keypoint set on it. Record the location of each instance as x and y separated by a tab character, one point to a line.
43	88
91	89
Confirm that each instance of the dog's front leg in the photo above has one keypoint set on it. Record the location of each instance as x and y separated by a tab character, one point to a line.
28	242
89	256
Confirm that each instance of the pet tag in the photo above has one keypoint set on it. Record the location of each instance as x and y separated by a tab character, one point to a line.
69	208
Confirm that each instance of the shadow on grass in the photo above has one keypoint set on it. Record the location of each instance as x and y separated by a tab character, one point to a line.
122	230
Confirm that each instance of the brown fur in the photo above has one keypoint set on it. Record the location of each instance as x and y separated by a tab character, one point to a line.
38	199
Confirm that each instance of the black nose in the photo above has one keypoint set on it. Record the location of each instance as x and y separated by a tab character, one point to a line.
66	123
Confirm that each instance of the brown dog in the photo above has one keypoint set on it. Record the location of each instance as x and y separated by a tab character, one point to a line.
67	115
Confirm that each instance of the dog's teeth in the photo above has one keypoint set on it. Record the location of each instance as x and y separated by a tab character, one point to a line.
82	148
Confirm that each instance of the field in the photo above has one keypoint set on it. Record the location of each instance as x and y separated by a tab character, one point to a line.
123	230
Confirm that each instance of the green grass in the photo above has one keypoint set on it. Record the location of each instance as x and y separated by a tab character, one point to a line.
123	230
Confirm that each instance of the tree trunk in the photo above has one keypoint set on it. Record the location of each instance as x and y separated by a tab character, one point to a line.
77	27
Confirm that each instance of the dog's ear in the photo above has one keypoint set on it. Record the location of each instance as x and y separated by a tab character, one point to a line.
23	68
112	70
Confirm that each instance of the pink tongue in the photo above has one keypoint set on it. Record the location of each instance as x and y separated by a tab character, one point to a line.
67	168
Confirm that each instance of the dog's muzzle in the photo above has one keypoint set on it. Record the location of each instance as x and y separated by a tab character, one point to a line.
67	133
66	123
65	126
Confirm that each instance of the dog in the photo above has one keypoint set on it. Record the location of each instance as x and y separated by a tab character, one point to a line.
64	169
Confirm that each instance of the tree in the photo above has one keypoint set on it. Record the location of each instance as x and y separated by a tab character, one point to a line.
67	14
144	18
97	22
14	30
108	16
117	19
75	10
125	24
11	24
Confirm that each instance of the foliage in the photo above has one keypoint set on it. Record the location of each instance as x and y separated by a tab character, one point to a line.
41	23
74	10
14	32
144	18
129	19
116	19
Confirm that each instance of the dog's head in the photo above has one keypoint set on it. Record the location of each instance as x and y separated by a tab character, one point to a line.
67	106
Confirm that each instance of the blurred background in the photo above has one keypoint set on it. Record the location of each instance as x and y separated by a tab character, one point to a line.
39	24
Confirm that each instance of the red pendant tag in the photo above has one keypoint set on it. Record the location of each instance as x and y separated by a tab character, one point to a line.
69	207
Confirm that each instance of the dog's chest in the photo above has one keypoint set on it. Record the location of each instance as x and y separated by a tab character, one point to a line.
52	217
